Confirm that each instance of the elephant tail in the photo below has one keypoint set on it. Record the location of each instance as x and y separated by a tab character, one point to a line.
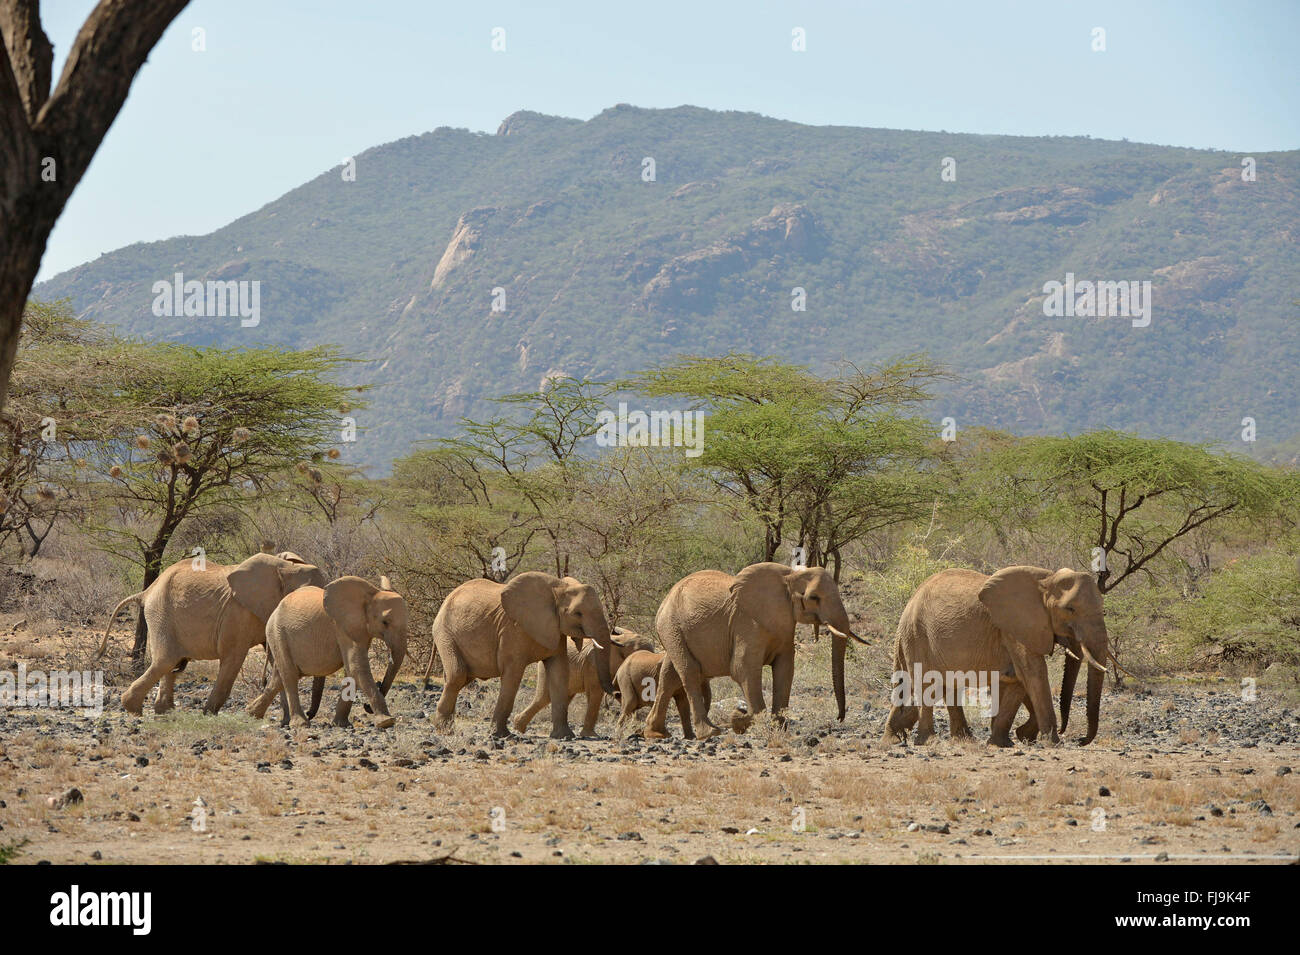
900	664
134	598
433	655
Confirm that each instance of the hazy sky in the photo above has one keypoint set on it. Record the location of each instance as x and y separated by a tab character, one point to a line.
288	88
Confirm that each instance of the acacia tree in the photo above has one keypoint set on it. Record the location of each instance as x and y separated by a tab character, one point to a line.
48	137
822	461
209	427
62	399
1129	498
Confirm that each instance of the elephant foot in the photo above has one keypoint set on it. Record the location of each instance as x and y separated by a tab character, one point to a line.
521	727
503	732
1026	735
1003	741
653	733
562	732
741	720
299	722
383	721
707	732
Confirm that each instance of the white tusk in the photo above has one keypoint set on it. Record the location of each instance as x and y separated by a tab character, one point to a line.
1091	661
1070	653
1120	668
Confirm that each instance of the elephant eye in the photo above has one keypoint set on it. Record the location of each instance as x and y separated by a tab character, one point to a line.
814	598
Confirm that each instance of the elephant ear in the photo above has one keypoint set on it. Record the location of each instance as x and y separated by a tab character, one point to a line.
346	600
257	585
529	600
761	592
1014	599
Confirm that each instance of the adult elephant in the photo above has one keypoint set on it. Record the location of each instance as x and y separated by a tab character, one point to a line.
315	632
485	630
583	678
714	624
218	612
961	621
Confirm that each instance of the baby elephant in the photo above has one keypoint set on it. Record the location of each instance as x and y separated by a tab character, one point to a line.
583	677
638	680
319	631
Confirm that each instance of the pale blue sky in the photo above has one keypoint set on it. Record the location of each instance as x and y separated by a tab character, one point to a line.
287	88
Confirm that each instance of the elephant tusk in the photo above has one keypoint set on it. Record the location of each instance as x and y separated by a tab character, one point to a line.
1120	668
1070	653
1091	660
846	636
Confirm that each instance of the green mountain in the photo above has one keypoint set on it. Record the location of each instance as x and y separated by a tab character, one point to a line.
602	272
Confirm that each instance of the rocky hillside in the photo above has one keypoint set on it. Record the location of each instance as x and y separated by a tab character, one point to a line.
465	266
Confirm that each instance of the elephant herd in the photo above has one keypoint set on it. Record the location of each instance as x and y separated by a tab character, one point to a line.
710	624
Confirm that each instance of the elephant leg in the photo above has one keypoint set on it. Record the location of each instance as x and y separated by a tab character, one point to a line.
165	700
925	727
226	673
594	699
782	680
665	687
356	660
541	697
957	725
343	711
454	677
683	704
557	684
1011	693
899	723
288	679
1032	670
511	674
689	677
317	690
1027	732
274	687
133	697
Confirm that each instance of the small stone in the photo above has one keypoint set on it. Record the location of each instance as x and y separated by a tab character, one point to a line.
706	860
1103	791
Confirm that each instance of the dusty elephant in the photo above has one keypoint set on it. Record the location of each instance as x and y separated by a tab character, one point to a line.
714	624
961	621
315	632
583	678
217	613
486	630
638	680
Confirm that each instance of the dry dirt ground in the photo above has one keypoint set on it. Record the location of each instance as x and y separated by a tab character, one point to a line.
1180	773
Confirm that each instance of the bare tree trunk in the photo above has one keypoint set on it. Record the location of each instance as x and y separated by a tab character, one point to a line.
47	139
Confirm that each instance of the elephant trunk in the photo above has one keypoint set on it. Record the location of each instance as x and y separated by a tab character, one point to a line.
1095	649
837	622
1068	678
838	646
604	644
397	653
1095	680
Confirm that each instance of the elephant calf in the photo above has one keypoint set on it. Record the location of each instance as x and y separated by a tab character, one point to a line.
583	677
638	680
315	632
